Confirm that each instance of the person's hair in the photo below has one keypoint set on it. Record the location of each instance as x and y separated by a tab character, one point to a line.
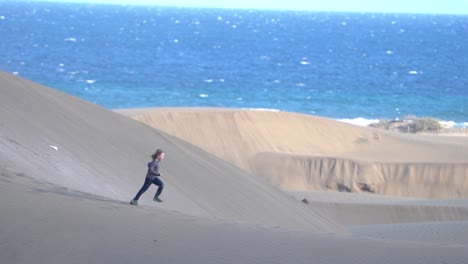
157	153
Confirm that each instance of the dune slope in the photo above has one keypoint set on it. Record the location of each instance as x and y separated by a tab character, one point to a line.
50	136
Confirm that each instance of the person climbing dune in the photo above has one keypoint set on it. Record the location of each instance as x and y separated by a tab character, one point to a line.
153	176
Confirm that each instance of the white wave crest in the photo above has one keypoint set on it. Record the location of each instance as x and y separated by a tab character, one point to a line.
359	121
263	109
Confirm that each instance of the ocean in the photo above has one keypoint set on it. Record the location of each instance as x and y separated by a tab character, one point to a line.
359	67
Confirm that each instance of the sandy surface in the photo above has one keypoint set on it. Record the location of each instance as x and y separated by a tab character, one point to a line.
234	184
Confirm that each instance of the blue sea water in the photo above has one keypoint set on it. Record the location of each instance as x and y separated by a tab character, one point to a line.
337	65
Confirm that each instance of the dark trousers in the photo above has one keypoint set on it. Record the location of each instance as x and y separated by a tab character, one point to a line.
147	184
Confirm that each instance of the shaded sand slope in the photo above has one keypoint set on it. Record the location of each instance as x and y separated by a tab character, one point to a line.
105	154
357	209
369	214
445	233
301	152
42	223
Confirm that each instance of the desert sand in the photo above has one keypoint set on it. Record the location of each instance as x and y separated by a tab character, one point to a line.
235	181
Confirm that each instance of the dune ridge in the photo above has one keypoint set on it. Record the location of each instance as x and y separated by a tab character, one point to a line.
300	152
408	179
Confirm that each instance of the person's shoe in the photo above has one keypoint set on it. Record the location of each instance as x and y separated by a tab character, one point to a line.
156	199
134	202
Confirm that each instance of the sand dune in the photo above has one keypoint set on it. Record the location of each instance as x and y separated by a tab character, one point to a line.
104	153
68	169
301	152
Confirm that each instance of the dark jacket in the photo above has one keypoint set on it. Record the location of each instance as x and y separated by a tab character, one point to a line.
153	169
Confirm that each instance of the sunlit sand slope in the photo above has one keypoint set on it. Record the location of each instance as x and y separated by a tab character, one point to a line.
302	152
